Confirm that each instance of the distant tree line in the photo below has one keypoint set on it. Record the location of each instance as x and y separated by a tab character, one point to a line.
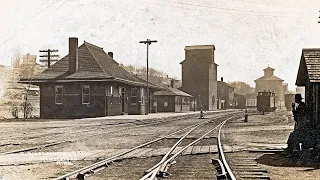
142	70
243	88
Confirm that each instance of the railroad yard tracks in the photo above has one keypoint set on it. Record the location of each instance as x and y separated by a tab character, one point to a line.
161	168
244	165
50	139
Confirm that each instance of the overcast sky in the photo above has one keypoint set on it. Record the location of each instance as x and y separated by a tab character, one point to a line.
248	34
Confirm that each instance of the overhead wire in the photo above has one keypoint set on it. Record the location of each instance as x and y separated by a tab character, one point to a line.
273	4
230	8
5	40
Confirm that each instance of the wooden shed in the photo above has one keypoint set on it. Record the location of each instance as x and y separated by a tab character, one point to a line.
172	100
309	77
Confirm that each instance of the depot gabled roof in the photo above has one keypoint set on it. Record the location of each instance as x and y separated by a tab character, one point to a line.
309	68
168	91
94	64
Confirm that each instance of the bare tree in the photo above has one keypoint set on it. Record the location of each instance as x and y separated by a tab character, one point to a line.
16	58
242	88
143	70
26	72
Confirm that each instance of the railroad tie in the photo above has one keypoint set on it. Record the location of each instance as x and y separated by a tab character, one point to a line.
187	151
196	149
205	149
255	177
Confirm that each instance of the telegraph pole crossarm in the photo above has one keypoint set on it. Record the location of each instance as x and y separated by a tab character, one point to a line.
49	56
148	42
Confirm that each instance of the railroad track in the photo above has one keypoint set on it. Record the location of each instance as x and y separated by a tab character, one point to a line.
67	131
239	165
161	168
127	126
101	126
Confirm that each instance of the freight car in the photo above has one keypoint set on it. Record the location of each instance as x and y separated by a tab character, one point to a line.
289	99
266	101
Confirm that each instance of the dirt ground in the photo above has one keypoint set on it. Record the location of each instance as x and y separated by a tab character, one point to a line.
96	136
90	137
270	131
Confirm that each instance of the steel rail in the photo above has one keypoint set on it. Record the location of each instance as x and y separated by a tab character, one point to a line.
92	135
86	169
163	166
177	143
220	168
222	157
91	167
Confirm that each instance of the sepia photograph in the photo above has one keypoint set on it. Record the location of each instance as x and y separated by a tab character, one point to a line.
159	89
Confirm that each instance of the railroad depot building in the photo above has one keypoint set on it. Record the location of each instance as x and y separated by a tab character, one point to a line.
199	76
88	82
169	99
309	77
270	82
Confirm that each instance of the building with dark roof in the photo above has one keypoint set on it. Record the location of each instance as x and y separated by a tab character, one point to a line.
270	82
225	95
309	77
162	81
88	82
199	76
172	100
169	99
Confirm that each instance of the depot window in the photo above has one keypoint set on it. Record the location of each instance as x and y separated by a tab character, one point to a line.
120	90
58	94
142	96
85	94
134	96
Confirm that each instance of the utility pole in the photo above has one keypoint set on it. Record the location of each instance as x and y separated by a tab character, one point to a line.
148	42
194	94
49	56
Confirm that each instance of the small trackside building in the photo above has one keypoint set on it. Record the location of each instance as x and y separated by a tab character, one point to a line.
88	82
172	100
225	95
309	77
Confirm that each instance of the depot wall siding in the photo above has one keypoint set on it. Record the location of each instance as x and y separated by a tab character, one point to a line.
72	106
165	103
102	102
173	103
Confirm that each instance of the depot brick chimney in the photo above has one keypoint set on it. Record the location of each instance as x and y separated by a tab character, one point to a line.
110	54
73	54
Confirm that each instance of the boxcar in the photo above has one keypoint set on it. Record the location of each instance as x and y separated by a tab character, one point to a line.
266	101
289	99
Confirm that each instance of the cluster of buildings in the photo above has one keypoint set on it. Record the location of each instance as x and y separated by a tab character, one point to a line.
270	82
88	82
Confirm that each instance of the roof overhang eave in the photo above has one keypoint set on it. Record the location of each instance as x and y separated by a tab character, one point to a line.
315	80
39	81
136	83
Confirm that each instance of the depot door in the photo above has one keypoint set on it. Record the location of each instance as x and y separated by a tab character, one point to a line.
124	101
